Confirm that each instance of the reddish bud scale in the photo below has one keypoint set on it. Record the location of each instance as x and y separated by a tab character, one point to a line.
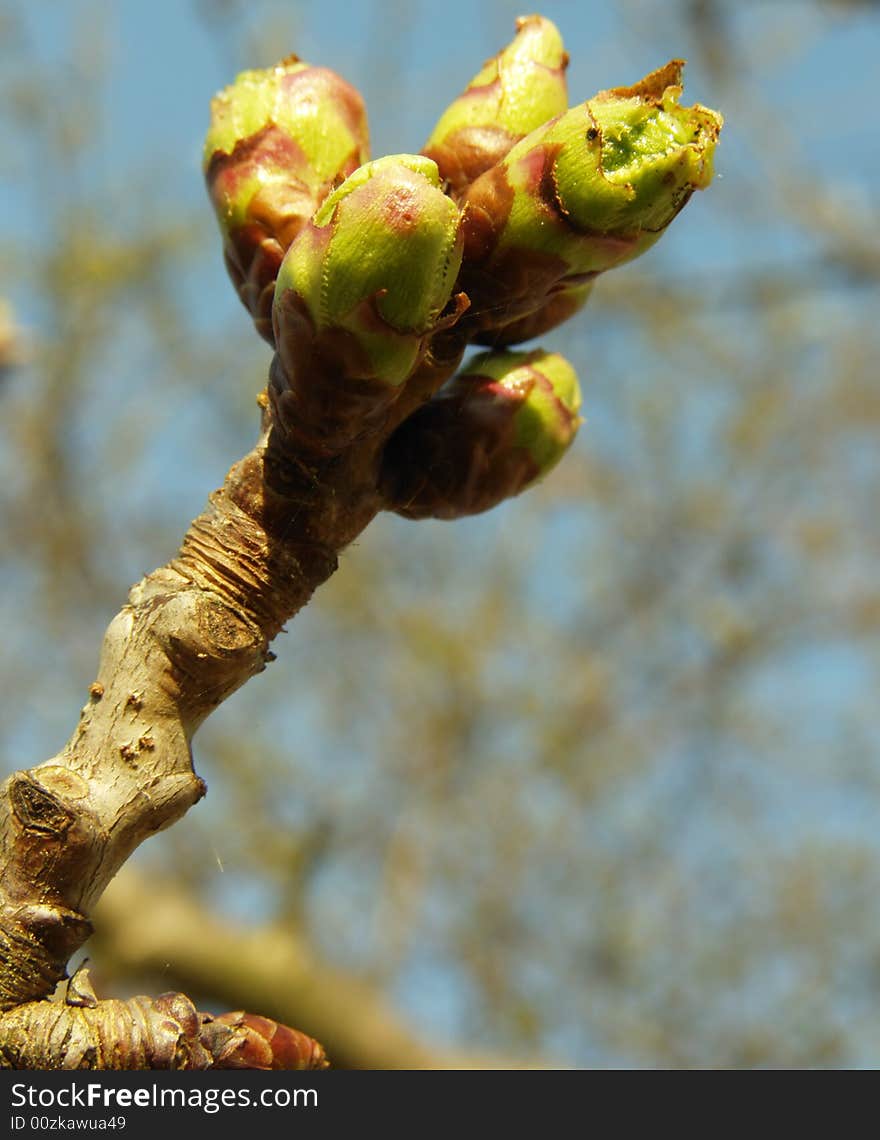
166	1032
471	152
433	469
564	299
320	386
339	401
254	250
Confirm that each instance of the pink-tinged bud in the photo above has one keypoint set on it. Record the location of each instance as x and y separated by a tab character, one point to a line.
496	429
516	91
362	289
279	140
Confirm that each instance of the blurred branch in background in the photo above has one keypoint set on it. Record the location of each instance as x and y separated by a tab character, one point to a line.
13	342
155	930
594	777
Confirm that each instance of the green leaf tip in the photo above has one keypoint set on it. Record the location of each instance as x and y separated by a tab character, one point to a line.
622	164
652	150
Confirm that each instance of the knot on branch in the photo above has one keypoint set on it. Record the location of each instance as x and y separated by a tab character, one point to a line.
55	836
210	642
35	945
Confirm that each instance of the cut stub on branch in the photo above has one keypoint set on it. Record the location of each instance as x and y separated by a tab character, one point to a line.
364	286
166	1032
513	93
280	139
587	191
496	429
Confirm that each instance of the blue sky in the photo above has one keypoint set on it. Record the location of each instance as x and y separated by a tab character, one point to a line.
165	60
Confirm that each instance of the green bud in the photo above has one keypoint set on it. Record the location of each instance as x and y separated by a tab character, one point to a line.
379	260
516	91
279	140
498	427
586	192
361	290
630	158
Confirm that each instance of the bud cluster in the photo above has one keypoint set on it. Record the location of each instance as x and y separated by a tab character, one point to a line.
369	277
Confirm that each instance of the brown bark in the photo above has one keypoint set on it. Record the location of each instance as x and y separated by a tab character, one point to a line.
166	1032
191	633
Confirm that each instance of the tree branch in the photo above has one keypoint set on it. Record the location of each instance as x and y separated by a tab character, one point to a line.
370	317
192	633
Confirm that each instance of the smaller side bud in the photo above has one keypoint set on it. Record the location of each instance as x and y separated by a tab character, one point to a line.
496	429
361	290
516	91
279	140
248	1041
586	192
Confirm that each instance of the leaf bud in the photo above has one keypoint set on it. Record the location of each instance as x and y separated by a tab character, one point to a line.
584	193
279	140
498	427
514	92
363	287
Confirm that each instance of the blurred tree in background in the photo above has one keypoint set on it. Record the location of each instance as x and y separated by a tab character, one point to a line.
591	780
